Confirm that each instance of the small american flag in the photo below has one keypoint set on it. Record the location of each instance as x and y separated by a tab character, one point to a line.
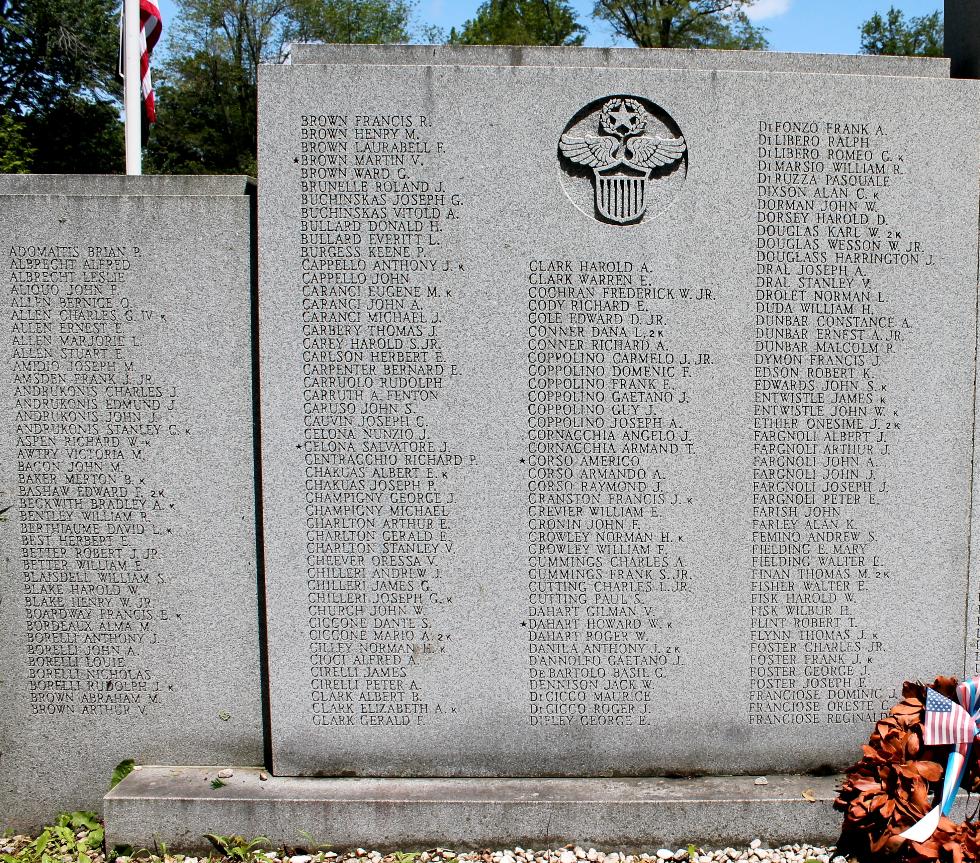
946	722
151	25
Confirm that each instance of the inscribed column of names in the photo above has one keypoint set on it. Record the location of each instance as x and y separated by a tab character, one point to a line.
828	334
612	384
86	418
379	514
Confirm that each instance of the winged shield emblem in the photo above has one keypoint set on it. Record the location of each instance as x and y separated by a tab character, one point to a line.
622	158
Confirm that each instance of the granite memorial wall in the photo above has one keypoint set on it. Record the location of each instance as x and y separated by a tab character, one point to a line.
617	416
622	418
128	580
315	53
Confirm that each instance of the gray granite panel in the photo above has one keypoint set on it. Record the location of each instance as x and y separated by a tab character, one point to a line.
973	601
615	422
128	599
177	807
644	58
118	184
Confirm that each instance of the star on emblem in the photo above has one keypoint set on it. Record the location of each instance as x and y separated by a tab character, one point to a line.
624	118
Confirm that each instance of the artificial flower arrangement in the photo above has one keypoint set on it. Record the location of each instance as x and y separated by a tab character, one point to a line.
887	797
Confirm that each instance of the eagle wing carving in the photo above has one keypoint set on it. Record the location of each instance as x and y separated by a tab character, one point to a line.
655	152
591	152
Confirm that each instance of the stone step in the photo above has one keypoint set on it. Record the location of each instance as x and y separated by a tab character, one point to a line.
177	806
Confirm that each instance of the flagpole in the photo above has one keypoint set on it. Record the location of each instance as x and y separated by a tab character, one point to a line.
132	86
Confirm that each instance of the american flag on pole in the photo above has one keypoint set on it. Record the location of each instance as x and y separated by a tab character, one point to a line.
946	721
151	25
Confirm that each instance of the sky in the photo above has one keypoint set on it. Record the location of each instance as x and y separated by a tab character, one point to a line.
813	26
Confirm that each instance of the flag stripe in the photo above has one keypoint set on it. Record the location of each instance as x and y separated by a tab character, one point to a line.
946	722
151	25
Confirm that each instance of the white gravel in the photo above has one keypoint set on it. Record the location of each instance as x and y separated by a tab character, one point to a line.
756	852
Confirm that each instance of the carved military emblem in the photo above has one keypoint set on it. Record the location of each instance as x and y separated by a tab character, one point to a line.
623	159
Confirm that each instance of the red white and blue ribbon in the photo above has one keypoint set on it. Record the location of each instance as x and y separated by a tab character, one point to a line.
948	722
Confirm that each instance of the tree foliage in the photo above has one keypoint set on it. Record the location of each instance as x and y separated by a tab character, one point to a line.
521	22
206	92
58	86
16	152
917	36
351	21
682	23
206	118
49	48
74	135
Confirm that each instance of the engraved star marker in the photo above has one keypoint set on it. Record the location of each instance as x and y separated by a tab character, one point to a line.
623	116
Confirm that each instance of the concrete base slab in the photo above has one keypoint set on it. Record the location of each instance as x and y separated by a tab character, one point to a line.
177	806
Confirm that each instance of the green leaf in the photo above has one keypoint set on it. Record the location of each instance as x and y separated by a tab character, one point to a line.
41	842
88	820
123	769
218	841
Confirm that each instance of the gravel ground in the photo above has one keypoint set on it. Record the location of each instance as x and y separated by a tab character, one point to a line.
755	853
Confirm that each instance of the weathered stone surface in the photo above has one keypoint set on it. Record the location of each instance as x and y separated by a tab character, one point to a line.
963	45
155	185
128	580
645	58
555	485
177	806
